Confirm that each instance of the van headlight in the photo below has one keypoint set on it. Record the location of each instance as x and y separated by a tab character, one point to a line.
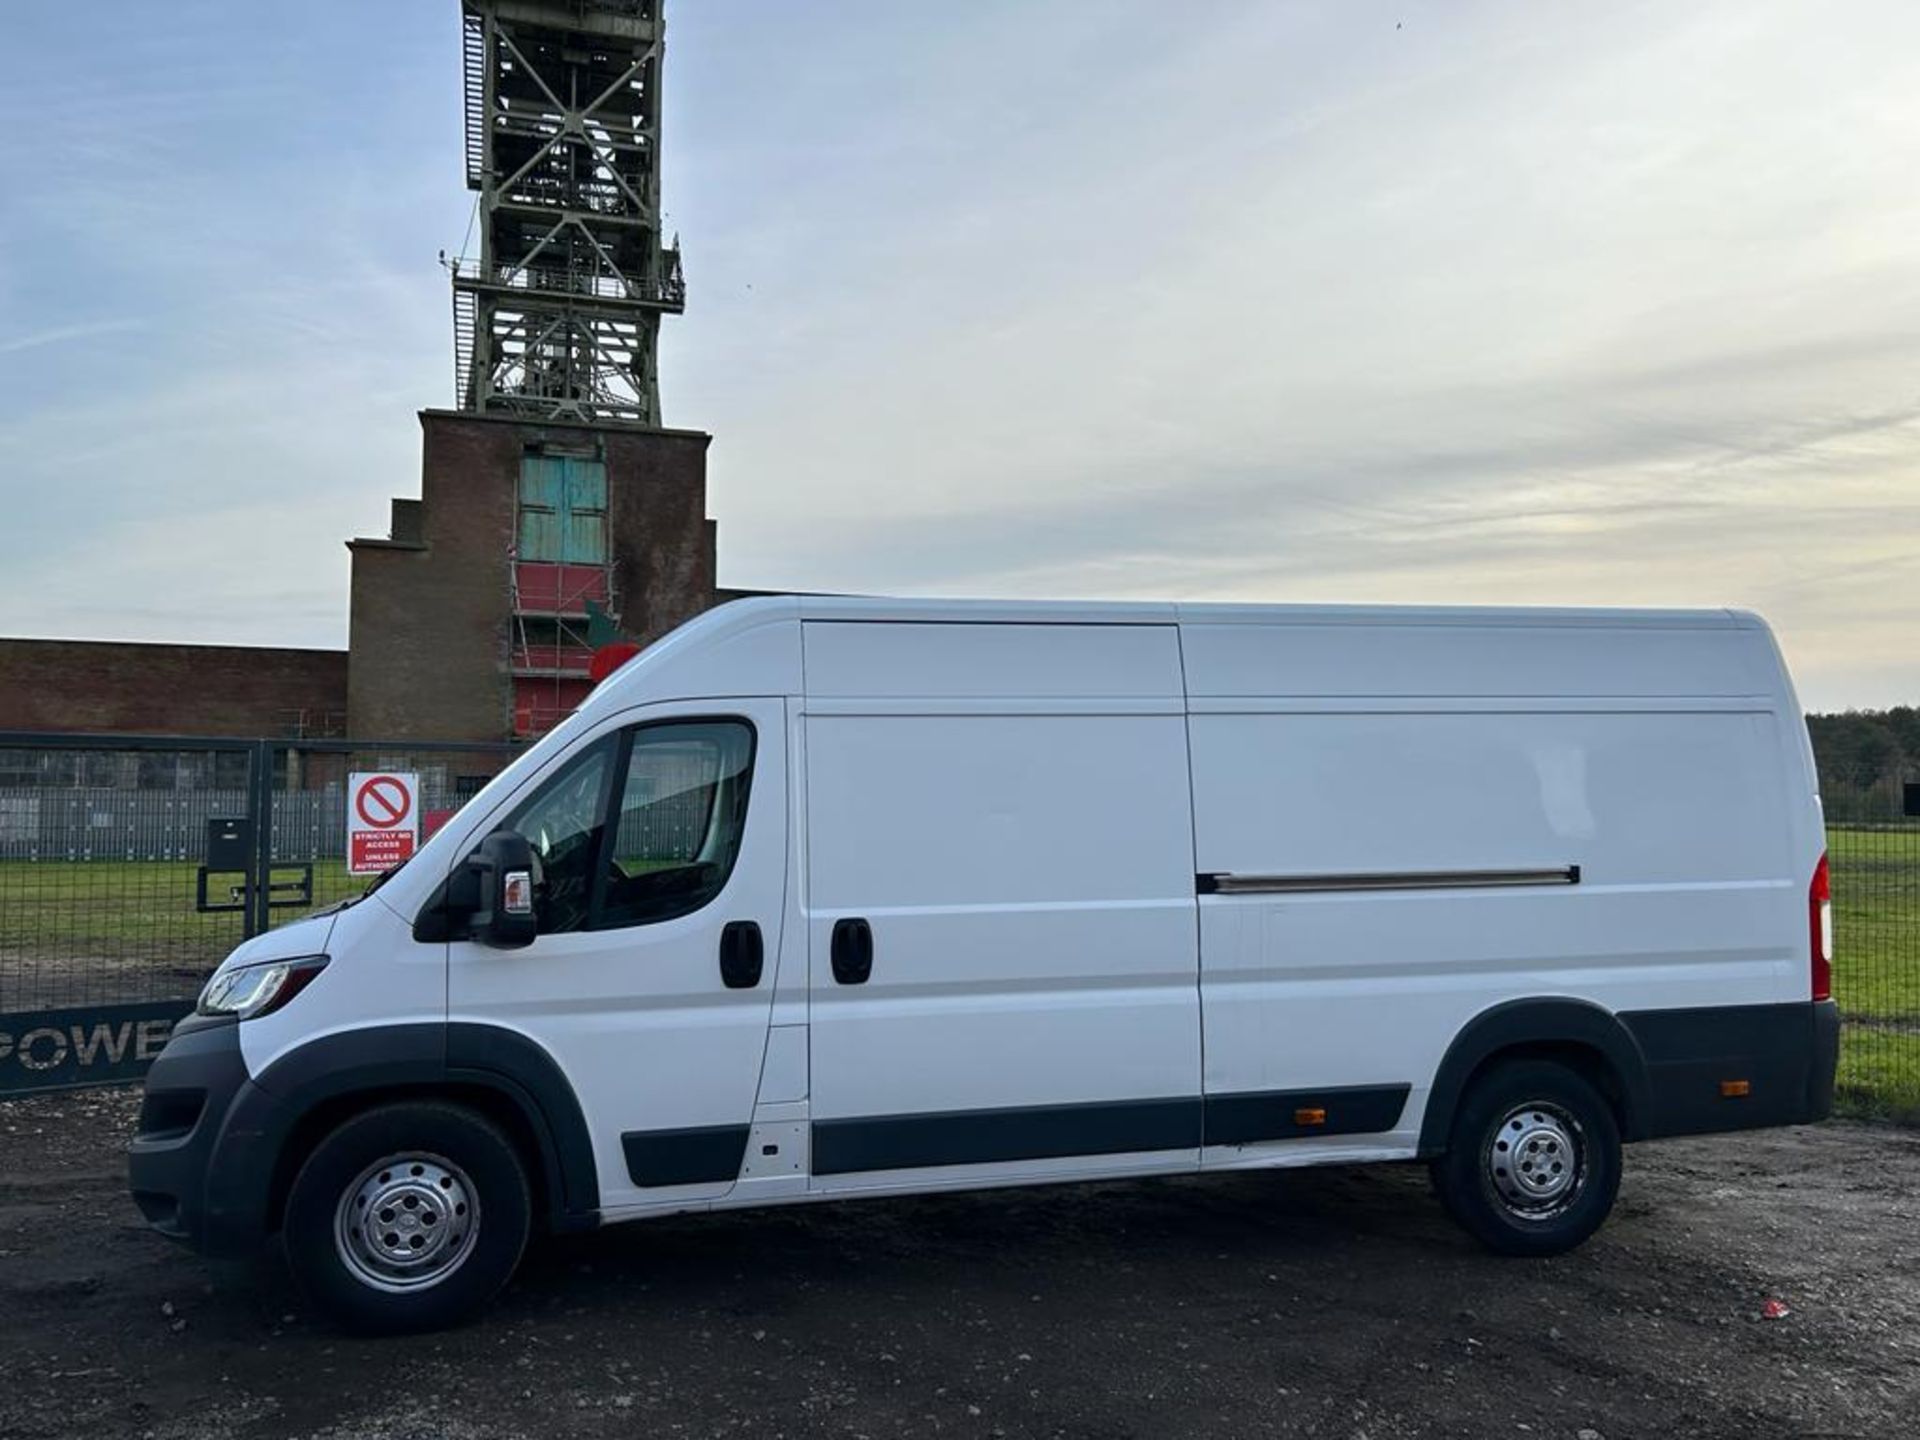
253	990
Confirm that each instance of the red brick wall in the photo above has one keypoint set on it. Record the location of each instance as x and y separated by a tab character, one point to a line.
427	623
658	533
165	689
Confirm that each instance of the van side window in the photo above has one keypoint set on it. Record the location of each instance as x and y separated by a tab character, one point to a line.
563	823
682	810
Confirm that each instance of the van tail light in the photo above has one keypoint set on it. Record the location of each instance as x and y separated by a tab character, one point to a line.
1820	916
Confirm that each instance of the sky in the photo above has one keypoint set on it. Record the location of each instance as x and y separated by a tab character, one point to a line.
1431	301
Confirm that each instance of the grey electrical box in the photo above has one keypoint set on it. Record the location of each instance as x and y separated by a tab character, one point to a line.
229	843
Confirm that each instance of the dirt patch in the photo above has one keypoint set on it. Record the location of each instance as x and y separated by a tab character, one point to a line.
1336	1303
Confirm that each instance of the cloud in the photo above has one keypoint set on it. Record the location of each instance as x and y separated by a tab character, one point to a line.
61	334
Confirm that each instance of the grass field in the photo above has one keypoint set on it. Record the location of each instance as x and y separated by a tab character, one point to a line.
86	931
1876	919
1879	1074
81	907
1876	923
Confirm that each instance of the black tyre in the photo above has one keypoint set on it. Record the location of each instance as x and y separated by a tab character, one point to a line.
1533	1162
407	1217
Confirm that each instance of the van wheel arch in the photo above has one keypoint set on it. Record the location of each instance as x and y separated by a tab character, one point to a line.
1587	1038
498	1073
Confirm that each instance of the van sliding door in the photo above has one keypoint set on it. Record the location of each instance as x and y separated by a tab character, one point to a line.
1002	926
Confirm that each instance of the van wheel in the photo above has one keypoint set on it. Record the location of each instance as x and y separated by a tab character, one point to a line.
1533	1163
407	1217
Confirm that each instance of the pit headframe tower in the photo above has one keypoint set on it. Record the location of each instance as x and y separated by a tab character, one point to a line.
558	317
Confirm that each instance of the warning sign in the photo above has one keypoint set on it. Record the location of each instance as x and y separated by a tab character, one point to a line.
383	820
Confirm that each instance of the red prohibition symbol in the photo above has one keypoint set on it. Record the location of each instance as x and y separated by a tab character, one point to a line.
382	802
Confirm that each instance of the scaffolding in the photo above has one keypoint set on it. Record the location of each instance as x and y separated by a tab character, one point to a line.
558	317
553	640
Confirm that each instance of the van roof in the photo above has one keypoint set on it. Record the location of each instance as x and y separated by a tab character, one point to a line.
1166	612
752	646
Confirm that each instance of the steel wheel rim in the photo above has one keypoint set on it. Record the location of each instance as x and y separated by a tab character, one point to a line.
1536	1160
407	1223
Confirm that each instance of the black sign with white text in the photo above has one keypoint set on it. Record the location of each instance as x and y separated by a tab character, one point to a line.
87	1045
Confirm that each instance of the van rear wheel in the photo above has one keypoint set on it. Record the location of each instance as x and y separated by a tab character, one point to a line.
1533	1162
407	1217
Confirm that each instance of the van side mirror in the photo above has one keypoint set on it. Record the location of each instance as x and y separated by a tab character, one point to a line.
503	868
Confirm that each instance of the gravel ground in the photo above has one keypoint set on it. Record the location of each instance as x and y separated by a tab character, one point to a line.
1326	1302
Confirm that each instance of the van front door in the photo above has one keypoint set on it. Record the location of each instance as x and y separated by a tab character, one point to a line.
662	847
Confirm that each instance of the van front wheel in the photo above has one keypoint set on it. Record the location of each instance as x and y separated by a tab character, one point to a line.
1533	1163
407	1217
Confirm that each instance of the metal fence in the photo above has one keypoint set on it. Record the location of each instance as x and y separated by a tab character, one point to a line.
113	910
132	826
1876	978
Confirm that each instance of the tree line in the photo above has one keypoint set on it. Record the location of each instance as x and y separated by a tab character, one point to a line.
1866	758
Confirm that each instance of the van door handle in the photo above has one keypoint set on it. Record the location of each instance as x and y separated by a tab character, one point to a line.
742	955
852	951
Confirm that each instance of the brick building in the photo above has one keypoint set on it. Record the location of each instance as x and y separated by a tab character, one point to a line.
477	616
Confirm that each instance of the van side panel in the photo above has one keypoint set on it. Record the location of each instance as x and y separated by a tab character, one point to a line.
1632	798
1511	654
1027	880
1005	664
1652	839
1023	857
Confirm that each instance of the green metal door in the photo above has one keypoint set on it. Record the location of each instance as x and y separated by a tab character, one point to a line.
563	509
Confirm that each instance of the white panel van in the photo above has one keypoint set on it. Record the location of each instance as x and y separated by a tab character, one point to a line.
841	897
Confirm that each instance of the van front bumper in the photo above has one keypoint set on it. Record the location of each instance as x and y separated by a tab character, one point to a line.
200	1164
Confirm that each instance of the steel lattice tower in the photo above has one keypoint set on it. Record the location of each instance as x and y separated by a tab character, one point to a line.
559	315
